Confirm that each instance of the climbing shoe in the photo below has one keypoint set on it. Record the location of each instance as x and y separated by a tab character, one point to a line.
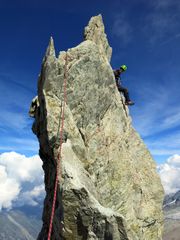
129	103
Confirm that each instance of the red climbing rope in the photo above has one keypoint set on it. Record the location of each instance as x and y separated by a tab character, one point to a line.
58	169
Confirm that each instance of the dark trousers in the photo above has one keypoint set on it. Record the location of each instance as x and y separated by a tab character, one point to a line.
125	92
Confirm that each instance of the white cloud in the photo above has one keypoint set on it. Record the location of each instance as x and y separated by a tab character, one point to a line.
19	144
174	160
15	103
172	120
22	168
160	111
165	4
170	174
174	37
122	29
167	144
158	151
16	172
163	21
9	189
32	197
20	120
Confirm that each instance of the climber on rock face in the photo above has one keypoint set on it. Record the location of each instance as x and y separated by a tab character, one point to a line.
117	74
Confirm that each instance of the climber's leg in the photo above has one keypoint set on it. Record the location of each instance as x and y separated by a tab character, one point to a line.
126	95
125	92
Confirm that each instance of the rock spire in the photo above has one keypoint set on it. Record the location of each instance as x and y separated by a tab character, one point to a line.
108	185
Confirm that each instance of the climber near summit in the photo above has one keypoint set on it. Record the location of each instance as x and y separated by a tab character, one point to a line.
117	74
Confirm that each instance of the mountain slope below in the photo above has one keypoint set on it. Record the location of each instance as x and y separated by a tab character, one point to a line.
16	225
172	216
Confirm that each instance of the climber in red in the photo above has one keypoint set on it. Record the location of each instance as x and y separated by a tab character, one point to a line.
117	74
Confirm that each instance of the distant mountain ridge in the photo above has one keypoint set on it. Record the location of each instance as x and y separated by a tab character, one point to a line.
172	200
171	208
19	224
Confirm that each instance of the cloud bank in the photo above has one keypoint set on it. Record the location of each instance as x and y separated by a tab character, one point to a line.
21	180
170	174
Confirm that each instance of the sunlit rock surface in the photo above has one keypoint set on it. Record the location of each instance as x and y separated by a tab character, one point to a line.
108	185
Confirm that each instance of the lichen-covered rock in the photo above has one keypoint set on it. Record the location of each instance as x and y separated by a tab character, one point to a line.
108	185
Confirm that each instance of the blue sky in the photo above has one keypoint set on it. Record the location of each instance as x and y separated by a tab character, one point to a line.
144	35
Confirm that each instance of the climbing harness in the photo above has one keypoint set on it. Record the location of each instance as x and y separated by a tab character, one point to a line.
58	169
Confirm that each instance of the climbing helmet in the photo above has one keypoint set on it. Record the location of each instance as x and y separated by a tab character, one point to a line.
124	67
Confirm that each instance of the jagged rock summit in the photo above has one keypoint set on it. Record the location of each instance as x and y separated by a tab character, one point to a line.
108	185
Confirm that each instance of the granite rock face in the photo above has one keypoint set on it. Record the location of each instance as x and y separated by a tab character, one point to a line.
108	185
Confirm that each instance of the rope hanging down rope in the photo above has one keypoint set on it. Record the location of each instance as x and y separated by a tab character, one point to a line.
58	169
